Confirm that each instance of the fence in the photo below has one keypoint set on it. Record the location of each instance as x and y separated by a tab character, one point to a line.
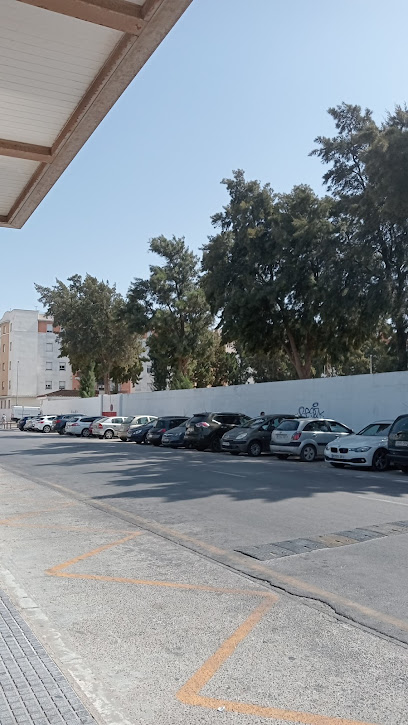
355	400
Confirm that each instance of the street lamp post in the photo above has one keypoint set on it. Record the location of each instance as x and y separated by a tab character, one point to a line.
18	363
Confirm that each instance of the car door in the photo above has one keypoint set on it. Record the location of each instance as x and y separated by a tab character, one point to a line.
338	429
323	435
115	423
265	432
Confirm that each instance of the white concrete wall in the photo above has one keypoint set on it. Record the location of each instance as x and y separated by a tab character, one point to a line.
355	400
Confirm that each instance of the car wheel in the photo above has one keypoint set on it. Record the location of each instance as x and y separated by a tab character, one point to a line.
337	465
108	434
46	429
254	449
404	469
216	444
86	433
308	454
380	460
60	432
282	456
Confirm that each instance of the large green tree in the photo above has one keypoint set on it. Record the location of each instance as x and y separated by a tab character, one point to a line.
171	306
368	177
274	272
93	330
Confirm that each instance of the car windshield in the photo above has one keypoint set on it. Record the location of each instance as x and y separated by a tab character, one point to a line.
400	425
129	419
288	425
160	423
198	418
253	422
375	429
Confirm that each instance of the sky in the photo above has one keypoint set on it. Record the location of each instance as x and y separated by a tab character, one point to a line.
235	84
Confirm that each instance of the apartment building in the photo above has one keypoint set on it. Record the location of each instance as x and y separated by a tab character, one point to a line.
29	359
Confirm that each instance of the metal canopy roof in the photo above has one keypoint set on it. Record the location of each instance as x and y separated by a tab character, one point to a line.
63	64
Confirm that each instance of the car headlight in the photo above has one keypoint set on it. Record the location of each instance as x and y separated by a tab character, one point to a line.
363	449
241	436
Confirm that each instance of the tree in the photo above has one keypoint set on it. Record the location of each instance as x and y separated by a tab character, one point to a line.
93	330
368	177
87	384
274	273
171	306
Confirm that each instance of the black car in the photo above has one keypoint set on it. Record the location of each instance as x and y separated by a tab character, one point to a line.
61	421
254	436
138	435
174	438
398	443
205	430
21	423
161	425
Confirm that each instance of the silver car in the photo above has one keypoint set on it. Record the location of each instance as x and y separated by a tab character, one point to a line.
107	427
305	437
132	422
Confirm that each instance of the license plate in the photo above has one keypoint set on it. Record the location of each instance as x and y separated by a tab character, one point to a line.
190	430
401	444
281	436
341	455
225	443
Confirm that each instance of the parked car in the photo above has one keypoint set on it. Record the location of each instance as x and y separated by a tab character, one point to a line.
21	423
133	422
80	426
305	437
174	438
205	430
138	434
398	443
161	425
367	448
254	437
107	427
61	420
30	422
44	423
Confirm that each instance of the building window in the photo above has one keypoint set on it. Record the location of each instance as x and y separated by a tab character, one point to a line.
10	365
2	385
48	346
62	366
48	365
4	348
4	330
8	403
11	327
48	385
11	344
49	328
9	384
61	385
4	366
149	369
1	403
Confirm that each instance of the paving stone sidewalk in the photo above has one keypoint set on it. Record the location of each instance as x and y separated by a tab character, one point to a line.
33	690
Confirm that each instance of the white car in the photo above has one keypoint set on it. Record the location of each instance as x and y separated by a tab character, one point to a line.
43	423
29	424
107	427
367	448
81	426
132	422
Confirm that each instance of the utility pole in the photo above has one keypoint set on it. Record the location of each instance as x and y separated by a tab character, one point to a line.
18	364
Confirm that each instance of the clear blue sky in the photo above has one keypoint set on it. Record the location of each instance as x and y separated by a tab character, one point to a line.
236	84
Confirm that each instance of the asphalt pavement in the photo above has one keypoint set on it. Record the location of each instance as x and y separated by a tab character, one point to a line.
279	593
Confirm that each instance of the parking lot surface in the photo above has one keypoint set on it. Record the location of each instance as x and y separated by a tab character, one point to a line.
127	562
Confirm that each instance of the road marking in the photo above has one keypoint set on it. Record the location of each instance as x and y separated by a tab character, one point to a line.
189	694
384	500
225	473
105	547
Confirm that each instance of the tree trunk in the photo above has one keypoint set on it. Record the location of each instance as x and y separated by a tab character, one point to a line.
106	383
303	370
401	344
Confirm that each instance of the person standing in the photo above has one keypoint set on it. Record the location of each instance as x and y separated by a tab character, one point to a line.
4	420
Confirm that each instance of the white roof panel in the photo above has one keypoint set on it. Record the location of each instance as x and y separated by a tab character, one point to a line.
63	64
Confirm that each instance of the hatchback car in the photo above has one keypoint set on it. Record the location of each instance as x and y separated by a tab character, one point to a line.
107	427
133	421
205	430
306	437
81	426
154	436
29	424
174	438
367	448
138	434
44	423
254	437
61	420
398	443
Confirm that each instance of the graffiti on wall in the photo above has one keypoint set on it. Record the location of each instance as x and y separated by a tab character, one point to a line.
312	412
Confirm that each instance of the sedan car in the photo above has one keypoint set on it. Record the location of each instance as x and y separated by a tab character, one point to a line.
139	433
81	426
133	421
174	438
61	420
254	437
367	448
205	430
107	427
154	436
306	437
44	423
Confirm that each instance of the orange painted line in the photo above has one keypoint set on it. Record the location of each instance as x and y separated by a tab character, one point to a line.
189	694
15	517
57	527
94	552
